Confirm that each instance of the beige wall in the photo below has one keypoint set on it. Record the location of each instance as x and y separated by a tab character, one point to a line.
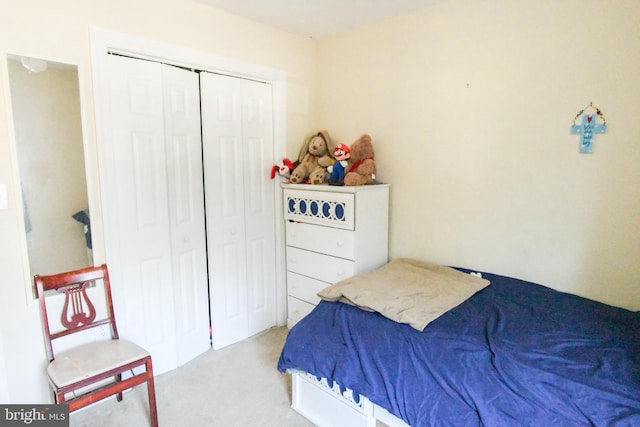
49	147
469	104
60	32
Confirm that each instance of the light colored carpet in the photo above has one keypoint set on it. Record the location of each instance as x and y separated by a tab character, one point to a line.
236	386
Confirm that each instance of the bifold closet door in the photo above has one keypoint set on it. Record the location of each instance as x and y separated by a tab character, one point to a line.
186	211
154	209
237	134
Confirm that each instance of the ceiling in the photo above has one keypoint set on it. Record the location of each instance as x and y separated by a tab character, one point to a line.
318	18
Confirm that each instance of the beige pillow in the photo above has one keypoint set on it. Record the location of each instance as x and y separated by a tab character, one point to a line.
407	291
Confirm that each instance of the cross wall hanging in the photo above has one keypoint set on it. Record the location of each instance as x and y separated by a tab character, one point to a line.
589	127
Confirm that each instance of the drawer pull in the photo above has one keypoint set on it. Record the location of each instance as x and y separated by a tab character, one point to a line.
340	244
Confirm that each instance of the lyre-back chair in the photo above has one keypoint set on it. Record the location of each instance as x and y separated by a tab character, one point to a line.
75	369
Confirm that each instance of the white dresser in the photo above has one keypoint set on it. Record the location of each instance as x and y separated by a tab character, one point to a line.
332	233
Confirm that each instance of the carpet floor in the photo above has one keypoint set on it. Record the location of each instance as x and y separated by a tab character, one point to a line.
238	385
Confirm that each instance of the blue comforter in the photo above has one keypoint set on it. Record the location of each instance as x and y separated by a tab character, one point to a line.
514	354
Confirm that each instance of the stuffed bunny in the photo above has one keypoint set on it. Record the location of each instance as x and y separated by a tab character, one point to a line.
314	158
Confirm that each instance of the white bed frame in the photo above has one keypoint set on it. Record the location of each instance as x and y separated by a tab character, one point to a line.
327	406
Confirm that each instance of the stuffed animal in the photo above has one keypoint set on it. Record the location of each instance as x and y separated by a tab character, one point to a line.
283	168
314	159
337	170
361	169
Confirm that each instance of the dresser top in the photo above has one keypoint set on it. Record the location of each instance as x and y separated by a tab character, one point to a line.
333	188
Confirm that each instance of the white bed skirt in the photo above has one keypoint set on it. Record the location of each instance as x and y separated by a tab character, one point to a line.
328	406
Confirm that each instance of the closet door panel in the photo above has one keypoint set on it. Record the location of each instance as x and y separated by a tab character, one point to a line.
151	271
259	284
186	210
238	146
227	155
260	210
233	309
136	218
224	200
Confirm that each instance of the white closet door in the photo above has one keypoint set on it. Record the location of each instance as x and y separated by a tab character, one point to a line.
224	198
151	214
259	205
186	211
238	147
137	218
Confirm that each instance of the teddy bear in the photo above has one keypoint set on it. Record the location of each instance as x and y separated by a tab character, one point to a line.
314	158
361	168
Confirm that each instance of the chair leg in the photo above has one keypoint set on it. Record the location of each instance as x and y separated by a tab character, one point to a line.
151	389
119	395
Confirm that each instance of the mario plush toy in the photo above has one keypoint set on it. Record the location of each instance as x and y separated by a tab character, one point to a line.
337	170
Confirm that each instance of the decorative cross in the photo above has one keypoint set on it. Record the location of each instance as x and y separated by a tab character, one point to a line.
588	128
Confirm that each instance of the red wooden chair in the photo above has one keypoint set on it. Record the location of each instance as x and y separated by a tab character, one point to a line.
74	370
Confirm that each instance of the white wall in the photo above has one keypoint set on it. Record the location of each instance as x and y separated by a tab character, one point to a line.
60	32
470	104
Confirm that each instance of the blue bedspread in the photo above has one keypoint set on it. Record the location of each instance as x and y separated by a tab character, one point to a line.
514	354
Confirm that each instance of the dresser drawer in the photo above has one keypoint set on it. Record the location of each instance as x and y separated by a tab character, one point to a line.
322	208
297	309
318	266
327	240
304	288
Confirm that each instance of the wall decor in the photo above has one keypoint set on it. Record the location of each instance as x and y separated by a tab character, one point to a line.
589	127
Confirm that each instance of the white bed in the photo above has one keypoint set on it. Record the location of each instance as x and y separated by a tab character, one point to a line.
328	406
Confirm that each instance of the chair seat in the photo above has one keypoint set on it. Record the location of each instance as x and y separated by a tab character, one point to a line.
92	359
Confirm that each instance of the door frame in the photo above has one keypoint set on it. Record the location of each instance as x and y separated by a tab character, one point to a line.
105	41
